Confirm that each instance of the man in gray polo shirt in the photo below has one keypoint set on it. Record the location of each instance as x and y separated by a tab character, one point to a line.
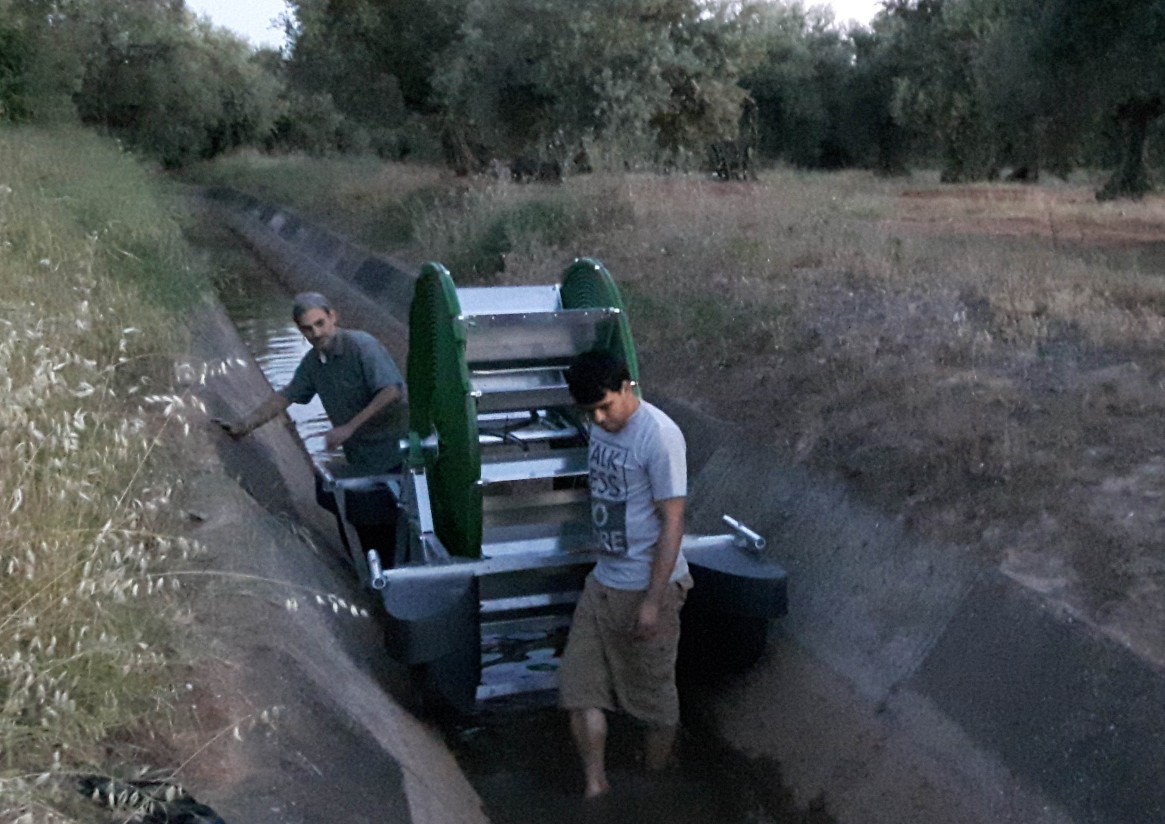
358	384
362	391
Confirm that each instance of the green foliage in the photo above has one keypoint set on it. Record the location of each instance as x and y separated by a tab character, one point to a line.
1111	56
542	222
177	92
375	59
801	87
873	135
547	77
394	227
1029	83
105	194
167	85
15	53
360	76
482	253
941	91
373	202
972	85
310	123
475	233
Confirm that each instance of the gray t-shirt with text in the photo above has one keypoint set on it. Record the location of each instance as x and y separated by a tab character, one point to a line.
630	470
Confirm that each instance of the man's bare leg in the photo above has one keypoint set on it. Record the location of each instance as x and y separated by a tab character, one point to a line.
658	747
589	727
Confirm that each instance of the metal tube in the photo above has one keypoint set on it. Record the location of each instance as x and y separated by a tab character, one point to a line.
328	480
745	537
519	562
375	570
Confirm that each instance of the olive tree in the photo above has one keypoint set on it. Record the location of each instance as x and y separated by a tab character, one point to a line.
173	87
15	55
802	83
375	59
941	89
1107	58
653	79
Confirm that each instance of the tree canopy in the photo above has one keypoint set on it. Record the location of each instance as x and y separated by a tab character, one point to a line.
148	72
548	76
1108	56
974	86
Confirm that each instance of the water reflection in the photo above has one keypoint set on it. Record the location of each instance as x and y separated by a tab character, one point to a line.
262	315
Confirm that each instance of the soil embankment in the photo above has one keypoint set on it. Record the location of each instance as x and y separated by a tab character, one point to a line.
909	682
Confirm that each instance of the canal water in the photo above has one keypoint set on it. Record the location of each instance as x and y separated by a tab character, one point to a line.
517	751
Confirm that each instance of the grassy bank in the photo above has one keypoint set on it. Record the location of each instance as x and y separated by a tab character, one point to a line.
475	227
94	274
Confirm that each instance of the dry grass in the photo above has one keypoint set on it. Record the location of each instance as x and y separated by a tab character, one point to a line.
989	375
91	270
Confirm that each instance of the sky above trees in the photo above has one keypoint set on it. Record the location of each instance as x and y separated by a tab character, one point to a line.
861	10
253	19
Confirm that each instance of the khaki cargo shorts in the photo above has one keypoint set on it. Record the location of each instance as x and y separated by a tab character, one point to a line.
606	667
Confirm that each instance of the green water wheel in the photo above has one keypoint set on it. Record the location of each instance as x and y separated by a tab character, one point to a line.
440	401
588	285
441	397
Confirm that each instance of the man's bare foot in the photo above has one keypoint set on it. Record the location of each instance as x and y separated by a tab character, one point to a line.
658	748
596	789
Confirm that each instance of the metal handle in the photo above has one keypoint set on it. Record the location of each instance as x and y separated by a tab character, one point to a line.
744	537
376	571
327	479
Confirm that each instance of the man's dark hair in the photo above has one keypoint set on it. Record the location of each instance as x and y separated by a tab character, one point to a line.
593	374
304	302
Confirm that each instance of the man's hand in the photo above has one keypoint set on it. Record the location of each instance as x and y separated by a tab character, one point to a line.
256	418
233	428
335	438
647	623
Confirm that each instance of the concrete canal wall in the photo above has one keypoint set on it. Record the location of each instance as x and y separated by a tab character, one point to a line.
301	724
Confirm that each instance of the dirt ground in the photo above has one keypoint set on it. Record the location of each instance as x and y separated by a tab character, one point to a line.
1046	460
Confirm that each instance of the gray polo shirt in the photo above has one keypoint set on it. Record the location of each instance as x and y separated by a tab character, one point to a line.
346	379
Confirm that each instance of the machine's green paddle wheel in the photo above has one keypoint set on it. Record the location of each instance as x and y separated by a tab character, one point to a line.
440	402
588	285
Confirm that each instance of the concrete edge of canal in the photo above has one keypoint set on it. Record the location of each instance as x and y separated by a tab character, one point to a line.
321	730
908	682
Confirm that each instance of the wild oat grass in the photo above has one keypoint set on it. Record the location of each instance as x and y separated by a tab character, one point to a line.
91	272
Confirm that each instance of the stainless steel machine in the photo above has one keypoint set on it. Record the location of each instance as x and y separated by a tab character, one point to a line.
493	540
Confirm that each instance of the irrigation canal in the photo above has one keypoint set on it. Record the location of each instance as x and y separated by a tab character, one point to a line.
516	751
858	713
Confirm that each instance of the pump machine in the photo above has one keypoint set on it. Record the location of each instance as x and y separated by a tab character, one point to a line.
493	537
